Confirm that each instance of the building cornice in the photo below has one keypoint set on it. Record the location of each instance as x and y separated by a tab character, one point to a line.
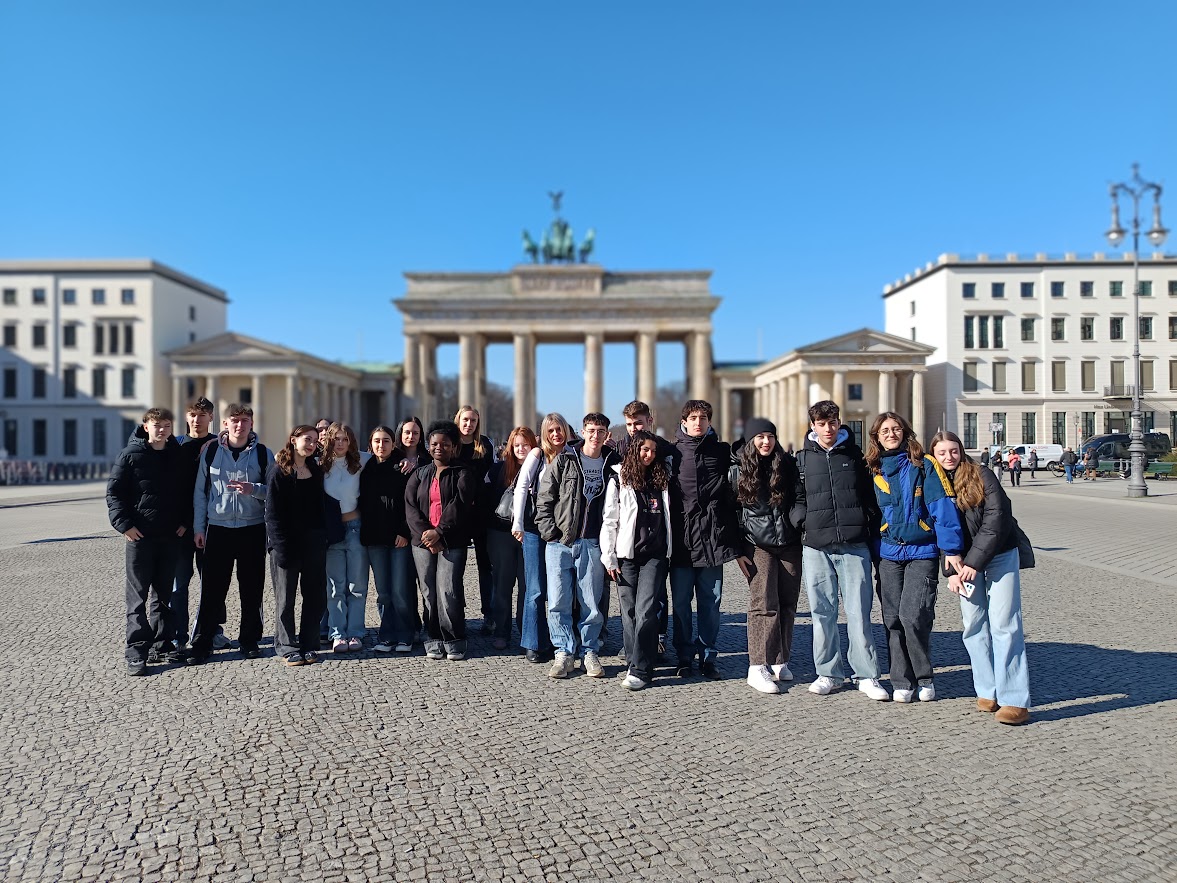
111	267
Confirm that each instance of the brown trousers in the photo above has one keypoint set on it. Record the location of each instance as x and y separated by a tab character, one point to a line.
772	604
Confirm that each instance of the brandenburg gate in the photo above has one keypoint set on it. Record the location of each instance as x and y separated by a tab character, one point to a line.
553	303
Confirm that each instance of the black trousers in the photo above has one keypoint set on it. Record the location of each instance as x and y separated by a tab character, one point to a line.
908	595
306	574
640	590
224	548
151	569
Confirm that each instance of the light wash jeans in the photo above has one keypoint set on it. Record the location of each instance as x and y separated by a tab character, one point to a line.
534	631
841	568
396	596
704	585
1070	470
993	633
575	570
347	584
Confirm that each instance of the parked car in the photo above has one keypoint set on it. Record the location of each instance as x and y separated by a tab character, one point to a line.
1114	446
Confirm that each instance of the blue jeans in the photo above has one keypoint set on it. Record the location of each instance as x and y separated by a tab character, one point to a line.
347	584
575	569
396	599
1070	470
705	586
534	631
993	634
844	568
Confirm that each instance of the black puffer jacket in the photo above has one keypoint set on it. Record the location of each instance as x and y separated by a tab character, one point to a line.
836	500
143	490
989	529
762	524
702	505
382	502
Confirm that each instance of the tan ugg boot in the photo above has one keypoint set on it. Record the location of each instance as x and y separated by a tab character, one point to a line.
1012	715
989	705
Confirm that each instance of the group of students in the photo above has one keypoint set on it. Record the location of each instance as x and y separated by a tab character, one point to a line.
554	520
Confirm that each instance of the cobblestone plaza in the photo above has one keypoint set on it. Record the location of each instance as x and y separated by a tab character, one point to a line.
376	768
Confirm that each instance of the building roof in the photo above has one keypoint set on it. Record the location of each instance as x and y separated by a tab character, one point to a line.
112	266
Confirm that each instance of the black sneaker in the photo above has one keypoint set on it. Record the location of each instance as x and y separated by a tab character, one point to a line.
195	658
710	671
175	657
251	652
136	669
294	658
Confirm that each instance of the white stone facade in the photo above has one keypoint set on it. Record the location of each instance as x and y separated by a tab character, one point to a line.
1072	377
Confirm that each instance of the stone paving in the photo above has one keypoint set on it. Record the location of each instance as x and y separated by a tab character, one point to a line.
406	769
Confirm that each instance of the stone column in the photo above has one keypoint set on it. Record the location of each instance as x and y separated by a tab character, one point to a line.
410	367
480	374
646	374
427	387
466	370
803	402
780	406
838	393
884	391
524	411
593	379
787	425
321	402
212	392
178	405
918	419
289	418
700	352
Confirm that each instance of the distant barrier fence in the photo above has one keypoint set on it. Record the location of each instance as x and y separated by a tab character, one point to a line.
39	472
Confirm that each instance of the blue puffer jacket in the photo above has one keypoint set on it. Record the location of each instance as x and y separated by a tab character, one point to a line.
919	515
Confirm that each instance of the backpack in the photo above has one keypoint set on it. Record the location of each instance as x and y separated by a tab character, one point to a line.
209	453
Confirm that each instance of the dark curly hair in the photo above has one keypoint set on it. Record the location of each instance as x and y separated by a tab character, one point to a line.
748	487
637	476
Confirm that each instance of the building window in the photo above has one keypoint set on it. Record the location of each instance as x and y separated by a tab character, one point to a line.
983	332
998	332
999	434
69	336
970	376
1029	428
997	290
128	296
1173	288
855	429
129	426
913	308
10	437
1058	289
1116	328
191	314
1087	376
128	339
10	335
128	383
99	338
1146	327
1146	375
69	437
1028	372
854	391
1027	329
192	336
69	296
1173	328
1058	427
1118	377
39	296
1058	376
1058	329
98	437
1086	289
970	340
113	332
69	383
999	376
10	383
98	296
39	441
912	335
1027	289
970	430
1145	288
1087	328
1172	377
1087	421
968	289
1116	289
98	383
10	297
38	337
38	383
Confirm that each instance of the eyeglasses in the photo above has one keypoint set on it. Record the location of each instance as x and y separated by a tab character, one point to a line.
596	430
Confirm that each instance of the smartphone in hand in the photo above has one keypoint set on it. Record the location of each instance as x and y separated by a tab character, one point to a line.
967	589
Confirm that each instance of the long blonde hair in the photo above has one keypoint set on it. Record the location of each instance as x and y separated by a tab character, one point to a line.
967	481
479	447
551	420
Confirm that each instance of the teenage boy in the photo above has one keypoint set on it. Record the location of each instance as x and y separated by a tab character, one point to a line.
228	505
199	415
142	500
705	536
570	509
837	509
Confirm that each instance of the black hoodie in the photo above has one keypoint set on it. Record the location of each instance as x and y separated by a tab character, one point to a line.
144	487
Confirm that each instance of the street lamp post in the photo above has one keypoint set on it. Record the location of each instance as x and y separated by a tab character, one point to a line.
1136	189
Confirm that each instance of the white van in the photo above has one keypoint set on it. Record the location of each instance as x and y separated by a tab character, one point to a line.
1048	455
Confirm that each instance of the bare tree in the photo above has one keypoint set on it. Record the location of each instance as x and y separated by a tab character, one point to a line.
498	411
667	407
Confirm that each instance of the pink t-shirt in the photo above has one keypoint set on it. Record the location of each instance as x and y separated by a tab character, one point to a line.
435	502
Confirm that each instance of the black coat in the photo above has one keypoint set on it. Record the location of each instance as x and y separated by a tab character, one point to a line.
288	527
144	487
989	529
836	499
382	502
189	467
762	524
702	506
458	494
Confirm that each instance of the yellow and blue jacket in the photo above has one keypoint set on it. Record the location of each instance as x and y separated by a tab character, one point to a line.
920	518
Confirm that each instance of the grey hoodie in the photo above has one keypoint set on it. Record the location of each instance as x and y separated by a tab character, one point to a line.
213	503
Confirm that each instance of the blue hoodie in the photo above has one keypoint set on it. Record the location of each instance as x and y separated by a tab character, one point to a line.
919	514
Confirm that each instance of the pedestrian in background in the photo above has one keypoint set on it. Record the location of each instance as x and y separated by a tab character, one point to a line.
1014	465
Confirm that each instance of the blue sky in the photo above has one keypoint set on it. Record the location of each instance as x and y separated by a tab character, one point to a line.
304	155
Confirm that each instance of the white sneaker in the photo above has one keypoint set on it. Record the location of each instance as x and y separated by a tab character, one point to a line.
927	691
781	672
824	685
873	689
592	665
403	647
633	682
903	696
434	653
561	667
759	678
383	647
220	642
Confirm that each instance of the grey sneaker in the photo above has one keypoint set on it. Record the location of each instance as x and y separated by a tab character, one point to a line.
562	666
383	647
434	653
592	665
220	642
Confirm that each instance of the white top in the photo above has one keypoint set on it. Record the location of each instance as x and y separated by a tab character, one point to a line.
533	467
343	485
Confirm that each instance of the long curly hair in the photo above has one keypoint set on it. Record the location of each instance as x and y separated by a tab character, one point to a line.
967	482
748	487
511	463
638	476
284	458
351	458
874	448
